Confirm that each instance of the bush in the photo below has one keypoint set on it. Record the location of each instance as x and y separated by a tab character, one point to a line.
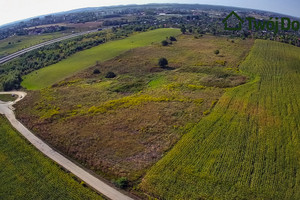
121	183
110	75
217	52
96	71
172	38
164	43
163	62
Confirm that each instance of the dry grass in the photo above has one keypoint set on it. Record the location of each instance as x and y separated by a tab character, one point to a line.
122	126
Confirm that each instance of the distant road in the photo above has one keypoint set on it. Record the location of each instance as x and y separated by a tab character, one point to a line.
100	186
21	52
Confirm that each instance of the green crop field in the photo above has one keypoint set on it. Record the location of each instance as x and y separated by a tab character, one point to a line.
47	76
16	43
248	147
26	174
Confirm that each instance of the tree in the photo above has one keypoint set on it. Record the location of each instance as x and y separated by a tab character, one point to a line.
164	43
183	29
217	52
110	75
12	81
96	71
114	29
163	62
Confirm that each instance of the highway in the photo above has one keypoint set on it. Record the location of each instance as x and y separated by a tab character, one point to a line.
21	52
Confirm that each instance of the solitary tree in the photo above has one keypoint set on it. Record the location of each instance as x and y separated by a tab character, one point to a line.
163	62
183	29
217	52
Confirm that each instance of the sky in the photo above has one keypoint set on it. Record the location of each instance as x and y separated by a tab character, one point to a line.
13	10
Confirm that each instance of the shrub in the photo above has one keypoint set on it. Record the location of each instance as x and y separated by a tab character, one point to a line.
121	183
96	71
163	62
217	52
110	75
164	43
172	38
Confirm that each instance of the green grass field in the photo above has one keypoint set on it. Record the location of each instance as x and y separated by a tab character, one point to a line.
16	43
47	76
248	147
26	174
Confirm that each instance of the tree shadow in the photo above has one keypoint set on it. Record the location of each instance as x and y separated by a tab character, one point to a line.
168	68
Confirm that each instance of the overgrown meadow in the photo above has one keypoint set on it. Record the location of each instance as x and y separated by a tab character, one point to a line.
248	147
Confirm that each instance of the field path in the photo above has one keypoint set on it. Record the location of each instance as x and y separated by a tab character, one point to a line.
108	191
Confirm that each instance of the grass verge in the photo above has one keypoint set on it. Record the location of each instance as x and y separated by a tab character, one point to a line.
7	97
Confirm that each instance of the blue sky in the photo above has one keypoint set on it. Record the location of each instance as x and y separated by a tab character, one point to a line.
12	10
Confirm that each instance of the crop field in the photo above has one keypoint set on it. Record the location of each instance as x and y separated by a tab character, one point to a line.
26	174
49	75
248	147
16	43
119	127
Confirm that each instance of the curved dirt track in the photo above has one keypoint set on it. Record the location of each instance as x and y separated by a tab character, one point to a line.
108	191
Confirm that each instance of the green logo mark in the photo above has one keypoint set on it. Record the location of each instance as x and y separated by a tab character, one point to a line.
285	24
236	28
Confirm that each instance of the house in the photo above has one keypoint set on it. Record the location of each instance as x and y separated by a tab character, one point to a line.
236	28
